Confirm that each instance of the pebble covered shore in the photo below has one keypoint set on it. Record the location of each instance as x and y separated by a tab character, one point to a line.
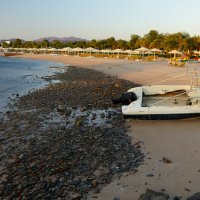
66	140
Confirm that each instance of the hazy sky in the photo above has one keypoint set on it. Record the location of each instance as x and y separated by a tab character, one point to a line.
89	19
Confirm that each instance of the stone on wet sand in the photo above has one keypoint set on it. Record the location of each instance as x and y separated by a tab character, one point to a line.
166	160
196	196
152	195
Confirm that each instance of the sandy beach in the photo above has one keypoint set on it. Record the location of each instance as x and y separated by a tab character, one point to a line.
140	72
174	141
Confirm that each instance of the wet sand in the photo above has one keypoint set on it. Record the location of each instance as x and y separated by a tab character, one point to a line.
176	140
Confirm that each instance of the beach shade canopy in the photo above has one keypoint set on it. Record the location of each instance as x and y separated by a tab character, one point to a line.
175	52
43	49
136	52
52	49
96	50
155	50
148	52
142	49
78	49
196	52
91	49
106	51
66	49
128	51
117	51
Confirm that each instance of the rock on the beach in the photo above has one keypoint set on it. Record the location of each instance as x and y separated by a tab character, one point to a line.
60	108
166	160
152	195
196	196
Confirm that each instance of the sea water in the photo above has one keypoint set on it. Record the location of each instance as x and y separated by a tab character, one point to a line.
18	76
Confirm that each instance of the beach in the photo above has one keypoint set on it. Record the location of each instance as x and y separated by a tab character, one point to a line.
170	148
140	72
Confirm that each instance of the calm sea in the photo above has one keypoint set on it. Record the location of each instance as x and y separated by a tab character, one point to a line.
18	76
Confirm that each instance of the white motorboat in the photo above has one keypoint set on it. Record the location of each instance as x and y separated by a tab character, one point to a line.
163	101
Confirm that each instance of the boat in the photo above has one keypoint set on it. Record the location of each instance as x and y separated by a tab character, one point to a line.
162	102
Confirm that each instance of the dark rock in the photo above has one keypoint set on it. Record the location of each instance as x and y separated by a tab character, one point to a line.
79	121
176	198
116	198
166	160
76	196
102	115
67	112
152	195
150	175
83	109
196	196
60	108
93	117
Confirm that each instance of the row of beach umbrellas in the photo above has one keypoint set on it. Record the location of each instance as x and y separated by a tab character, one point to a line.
141	50
90	49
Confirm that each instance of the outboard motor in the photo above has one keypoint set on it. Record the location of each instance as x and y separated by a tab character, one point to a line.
126	98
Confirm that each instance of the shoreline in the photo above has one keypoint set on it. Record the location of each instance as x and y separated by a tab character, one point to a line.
174	178
141	72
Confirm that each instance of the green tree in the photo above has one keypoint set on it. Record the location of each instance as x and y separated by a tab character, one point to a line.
111	43
17	43
122	44
6	45
150	38
134	41
56	44
29	44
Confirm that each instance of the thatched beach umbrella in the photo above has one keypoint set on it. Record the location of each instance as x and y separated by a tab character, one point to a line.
108	51
142	50
77	49
118	51
155	50
196	52
175	52
44	50
135	52
90	50
53	50
128	51
67	49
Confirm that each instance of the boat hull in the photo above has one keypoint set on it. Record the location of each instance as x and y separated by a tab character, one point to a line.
160	103
163	116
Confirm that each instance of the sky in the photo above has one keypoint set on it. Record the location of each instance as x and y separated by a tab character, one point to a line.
96	19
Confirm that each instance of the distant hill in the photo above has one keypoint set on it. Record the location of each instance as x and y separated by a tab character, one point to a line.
50	39
61	39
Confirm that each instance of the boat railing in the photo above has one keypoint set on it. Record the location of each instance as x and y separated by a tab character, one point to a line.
195	76
178	76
